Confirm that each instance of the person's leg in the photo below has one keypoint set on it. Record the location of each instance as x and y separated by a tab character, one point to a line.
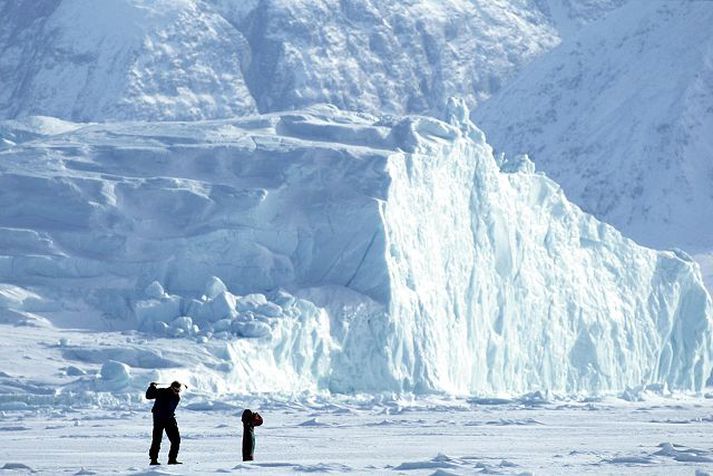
174	436
158	425
248	444
252	446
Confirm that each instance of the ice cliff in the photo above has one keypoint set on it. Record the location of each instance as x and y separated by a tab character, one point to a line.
328	250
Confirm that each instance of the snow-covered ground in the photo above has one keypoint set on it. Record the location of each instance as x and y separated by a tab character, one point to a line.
658	436
60	415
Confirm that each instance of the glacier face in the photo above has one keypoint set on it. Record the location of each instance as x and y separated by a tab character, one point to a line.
519	289
354	253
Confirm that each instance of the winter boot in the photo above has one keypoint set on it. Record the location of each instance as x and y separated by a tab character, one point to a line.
174	461
154	462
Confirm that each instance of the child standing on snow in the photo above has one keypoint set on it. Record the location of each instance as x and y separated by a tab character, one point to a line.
250	421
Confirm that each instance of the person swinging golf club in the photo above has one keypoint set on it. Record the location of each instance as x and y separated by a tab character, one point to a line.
164	419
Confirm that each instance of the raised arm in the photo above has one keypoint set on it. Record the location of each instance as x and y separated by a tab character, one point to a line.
257	419
152	391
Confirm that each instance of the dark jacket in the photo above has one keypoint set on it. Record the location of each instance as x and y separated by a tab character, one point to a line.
250	421
166	401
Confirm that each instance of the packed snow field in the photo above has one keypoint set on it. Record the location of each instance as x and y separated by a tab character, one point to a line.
92	421
656	436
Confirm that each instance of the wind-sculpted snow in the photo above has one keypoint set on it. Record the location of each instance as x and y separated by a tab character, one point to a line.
329	250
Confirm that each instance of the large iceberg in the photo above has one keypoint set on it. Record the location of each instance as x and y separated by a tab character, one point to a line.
339	251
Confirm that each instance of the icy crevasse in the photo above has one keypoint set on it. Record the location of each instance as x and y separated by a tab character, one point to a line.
433	265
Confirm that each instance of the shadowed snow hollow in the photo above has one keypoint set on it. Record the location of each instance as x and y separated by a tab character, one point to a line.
326	250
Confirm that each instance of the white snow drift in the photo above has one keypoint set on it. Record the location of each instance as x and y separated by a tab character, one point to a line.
328	250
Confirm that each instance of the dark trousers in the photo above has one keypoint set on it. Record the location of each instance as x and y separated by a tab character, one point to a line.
171	427
248	444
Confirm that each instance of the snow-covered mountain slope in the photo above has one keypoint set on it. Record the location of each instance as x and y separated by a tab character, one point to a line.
569	16
621	115
124	59
327	250
388	56
203	59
